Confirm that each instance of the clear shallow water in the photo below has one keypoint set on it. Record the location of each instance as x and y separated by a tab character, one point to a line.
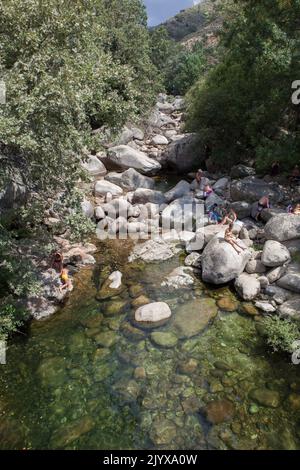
87	378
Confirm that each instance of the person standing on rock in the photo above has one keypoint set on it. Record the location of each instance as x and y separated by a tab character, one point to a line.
199	183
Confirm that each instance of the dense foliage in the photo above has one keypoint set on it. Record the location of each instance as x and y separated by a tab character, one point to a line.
243	108
179	67
69	67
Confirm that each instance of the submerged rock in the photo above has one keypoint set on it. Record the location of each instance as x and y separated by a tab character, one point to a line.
115	307
164	339
153	313
70	432
154	250
266	397
179	278
228	304
193	317
111	287
219	411
52	371
163	431
106	339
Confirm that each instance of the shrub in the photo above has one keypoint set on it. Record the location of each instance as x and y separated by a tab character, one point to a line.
280	333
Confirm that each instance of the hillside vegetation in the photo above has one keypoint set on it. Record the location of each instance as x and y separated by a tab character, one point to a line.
243	108
199	22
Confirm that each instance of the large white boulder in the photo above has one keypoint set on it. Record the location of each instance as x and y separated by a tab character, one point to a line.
247	286
159	139
94	166
221	263
87	208
181	189
103	187
283	227
251	189
185	154
130	179
125	157
142	196
274	254
291	279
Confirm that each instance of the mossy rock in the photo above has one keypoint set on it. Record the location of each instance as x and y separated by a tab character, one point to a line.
92	321
228	304
164	339
115	307
130	331
70	432
52	371
265	397
106	339
140	301
249	309
193	317
107	292
136	290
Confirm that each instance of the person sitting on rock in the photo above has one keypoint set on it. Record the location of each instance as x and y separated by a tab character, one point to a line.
199	182
258	207
207	191
214	214
66	281
57	262
295	175
230	217
231	239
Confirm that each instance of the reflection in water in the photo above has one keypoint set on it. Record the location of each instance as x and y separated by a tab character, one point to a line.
89	378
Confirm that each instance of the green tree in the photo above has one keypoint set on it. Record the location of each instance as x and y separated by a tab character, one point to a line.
69	67
243	107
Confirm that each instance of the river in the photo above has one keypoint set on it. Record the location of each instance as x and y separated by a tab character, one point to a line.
88	378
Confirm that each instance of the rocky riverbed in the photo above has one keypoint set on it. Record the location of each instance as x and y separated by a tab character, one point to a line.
159	344
95	376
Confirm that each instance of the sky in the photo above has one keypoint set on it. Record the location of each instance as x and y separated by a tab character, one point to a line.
160	10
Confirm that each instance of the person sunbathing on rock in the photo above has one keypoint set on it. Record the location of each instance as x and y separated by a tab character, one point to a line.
231	239
66	281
